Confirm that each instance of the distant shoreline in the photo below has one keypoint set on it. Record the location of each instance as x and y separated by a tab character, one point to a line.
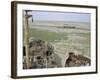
60	24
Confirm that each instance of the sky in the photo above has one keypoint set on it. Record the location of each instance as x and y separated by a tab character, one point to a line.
61	16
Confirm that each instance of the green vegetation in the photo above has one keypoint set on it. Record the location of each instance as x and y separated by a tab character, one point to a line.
63	41
47	35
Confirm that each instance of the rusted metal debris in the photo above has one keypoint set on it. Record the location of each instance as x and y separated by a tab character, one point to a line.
41	55
77	60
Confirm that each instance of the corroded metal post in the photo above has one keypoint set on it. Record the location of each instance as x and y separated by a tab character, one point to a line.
26	37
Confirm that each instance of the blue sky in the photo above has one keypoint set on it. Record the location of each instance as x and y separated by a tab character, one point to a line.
61	16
